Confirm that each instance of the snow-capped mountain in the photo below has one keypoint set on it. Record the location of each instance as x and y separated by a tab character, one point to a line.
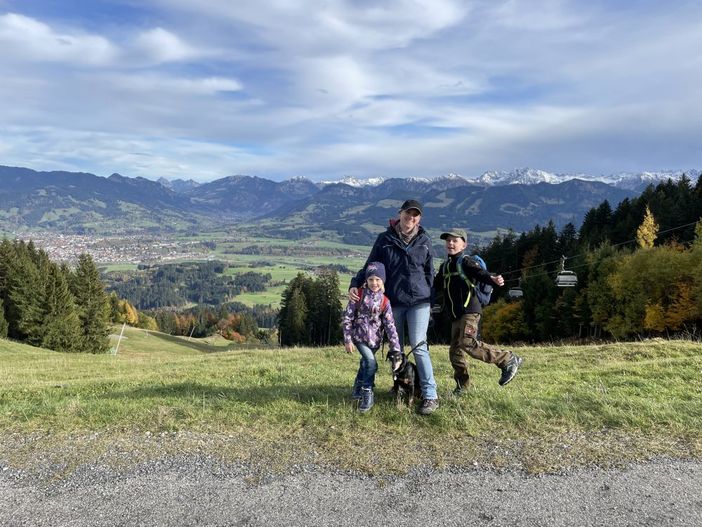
639	181
623	180
522	176
355	182
530	176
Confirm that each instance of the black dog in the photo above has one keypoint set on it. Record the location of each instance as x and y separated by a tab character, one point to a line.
405	378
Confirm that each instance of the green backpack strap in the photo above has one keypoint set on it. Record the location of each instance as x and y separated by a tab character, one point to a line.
460	273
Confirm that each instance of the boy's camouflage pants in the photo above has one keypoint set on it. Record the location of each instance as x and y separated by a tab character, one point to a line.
464	341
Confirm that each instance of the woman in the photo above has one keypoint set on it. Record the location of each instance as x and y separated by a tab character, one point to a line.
405	251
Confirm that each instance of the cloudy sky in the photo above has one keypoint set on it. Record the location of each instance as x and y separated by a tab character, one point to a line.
325	89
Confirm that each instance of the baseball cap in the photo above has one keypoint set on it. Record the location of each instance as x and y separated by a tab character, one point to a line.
456	233
411	204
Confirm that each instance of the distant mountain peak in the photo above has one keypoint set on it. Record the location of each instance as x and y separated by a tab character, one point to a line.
521	176
451	176
178	185
355	182
299	179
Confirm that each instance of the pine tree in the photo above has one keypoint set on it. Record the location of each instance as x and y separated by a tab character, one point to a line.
25	284
61	323
248	326
328	309
93	306
6	253
647	232
116	316
296	322
293	322
3	322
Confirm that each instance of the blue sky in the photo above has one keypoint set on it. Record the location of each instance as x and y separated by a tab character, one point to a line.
398	88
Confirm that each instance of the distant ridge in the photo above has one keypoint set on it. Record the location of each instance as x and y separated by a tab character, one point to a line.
299	207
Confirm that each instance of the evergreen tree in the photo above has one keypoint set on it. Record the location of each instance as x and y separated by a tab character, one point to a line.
568	240
93	305
3	322
6	255
328	309
61	324
115	314
292	317
167	322
248	326
24	312
295	322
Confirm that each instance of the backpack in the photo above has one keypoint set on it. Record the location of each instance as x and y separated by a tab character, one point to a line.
483	292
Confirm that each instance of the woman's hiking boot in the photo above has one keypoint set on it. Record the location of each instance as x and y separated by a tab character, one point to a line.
428	406
510	369
366	400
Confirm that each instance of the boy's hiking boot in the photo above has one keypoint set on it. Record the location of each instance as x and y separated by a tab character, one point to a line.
510	369
356	394
428	406
366	400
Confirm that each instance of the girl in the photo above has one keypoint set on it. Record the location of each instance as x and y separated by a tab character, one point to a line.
364	323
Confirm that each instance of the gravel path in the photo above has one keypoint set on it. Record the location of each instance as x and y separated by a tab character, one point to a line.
200	491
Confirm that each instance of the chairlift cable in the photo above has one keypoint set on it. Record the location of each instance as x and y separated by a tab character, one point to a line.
544	264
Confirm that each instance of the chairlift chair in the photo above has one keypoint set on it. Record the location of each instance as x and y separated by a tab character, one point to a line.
516	292
566	278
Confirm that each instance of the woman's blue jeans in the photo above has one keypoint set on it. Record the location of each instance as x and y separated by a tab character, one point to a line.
367	367
417	318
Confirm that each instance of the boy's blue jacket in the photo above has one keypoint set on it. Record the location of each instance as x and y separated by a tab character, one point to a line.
409	268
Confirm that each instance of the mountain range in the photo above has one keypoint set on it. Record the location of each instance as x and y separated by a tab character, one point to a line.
356	209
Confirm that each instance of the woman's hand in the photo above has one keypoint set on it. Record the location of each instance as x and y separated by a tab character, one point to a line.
353	294
348	347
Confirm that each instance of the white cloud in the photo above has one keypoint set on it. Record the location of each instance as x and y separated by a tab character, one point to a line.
23	38
403	87
163	46
152	84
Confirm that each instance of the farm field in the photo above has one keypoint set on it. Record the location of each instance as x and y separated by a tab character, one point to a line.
161	395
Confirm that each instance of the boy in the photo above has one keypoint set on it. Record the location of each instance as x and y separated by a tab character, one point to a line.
465	312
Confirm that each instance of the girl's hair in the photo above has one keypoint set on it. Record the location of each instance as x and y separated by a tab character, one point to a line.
382	286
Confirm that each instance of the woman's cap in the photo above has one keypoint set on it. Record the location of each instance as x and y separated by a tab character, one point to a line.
375	269
455	233
411	204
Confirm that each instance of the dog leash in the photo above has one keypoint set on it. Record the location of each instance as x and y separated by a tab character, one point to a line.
415	348
382	349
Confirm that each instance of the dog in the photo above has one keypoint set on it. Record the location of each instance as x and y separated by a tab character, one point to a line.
405	378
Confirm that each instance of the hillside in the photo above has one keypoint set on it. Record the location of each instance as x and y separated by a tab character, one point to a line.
569	406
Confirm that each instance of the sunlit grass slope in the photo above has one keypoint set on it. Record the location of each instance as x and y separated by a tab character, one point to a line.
162	395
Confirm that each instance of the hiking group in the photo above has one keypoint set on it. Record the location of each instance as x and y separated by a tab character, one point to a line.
396	287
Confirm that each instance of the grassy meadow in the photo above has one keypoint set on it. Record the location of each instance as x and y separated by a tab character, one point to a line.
161	395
